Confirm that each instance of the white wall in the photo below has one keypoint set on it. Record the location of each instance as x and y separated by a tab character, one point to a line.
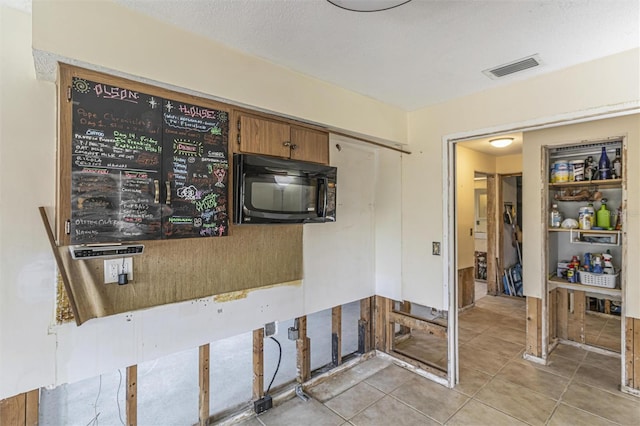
339	258
609	83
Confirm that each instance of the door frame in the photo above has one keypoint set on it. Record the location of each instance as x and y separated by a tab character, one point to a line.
449	215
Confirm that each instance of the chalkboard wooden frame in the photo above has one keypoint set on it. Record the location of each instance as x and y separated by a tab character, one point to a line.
170	270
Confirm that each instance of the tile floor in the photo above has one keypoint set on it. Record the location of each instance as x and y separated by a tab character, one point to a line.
497	387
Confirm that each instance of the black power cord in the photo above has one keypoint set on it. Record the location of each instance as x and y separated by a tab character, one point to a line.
278	366
266	402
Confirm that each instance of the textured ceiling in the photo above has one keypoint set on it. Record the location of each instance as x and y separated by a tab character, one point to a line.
419	54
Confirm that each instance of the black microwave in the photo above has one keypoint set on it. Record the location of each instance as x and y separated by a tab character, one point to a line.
277	190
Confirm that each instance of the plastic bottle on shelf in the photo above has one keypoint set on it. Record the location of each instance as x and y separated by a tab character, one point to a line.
603	216
616	166
556	217
604	165
592	214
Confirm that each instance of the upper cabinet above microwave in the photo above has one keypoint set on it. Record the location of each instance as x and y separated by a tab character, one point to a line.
257	135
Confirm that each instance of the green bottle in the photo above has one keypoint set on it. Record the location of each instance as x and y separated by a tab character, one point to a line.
603	216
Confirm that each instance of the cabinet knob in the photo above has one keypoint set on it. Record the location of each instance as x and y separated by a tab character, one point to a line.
168	185
156	184
293	146
286	143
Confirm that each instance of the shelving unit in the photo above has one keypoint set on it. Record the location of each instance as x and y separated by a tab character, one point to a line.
568	302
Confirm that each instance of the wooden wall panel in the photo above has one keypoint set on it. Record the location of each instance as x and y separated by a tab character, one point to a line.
179	270
575	329
13	410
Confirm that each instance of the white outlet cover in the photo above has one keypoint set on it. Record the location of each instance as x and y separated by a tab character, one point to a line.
113	267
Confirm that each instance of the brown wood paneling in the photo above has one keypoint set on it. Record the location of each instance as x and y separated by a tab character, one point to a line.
203	381
32	407
310	145
13	410
261	136
258	363
466	287
381	325
132	395
179	270
405	307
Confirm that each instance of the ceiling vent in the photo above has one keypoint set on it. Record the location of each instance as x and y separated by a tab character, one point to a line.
513	67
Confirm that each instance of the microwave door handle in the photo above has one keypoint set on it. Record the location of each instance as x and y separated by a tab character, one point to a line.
325	186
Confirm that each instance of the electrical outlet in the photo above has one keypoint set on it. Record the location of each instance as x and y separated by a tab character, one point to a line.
114	267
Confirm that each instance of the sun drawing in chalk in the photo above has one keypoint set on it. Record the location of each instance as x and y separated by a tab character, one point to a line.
80	85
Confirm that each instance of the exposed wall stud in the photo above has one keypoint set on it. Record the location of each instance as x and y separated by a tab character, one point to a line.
204	384
303	351
132	395
534	326
336	335
258	363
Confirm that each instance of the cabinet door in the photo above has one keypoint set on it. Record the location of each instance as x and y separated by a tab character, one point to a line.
196	166
115	164
309	145
260	136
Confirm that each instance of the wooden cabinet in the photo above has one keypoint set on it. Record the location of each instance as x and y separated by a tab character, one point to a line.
263	136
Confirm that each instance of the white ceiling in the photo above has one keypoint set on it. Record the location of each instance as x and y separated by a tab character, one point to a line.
419	54
416	55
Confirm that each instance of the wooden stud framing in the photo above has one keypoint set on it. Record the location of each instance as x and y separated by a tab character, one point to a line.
562	313
383	337
13	410
576	321
366	323
552	309
336	335
20	410
258	363
406	308
413	322
132	395
632	352
492	284
203	406
534	326
303	351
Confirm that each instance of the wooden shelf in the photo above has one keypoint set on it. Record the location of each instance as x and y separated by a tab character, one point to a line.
608	183
612	293
585	231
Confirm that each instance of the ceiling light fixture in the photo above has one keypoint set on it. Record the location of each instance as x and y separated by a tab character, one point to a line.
367	5
501	143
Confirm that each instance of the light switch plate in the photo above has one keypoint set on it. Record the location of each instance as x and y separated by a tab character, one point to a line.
435	248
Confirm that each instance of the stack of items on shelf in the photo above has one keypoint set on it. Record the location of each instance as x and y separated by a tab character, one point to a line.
588	218
587	170
596	270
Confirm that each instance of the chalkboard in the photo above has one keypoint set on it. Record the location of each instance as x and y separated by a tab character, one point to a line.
144	167
196	165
